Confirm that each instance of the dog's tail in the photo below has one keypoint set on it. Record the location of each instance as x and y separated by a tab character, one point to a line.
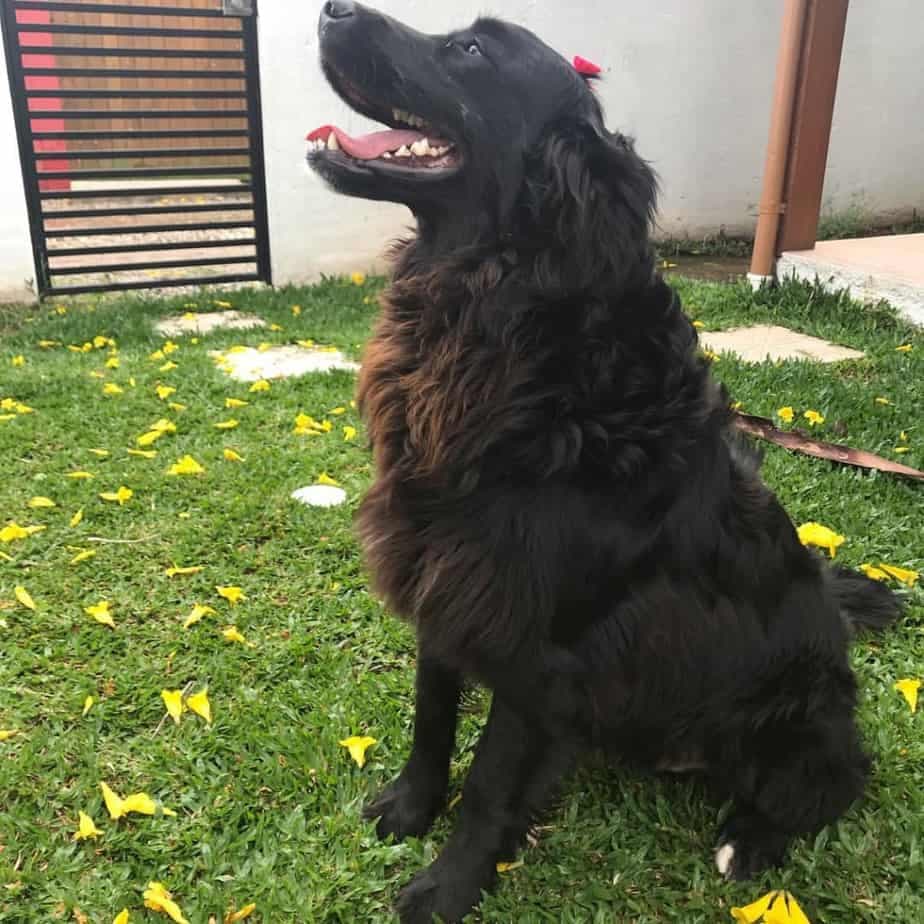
864	603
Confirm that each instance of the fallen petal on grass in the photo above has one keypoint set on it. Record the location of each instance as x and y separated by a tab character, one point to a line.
86	829
157	898
23	596
820	536
357	745
909	688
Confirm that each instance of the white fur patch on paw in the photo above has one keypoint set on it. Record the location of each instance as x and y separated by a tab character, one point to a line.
723	858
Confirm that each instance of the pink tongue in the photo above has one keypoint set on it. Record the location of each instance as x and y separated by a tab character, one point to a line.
367	147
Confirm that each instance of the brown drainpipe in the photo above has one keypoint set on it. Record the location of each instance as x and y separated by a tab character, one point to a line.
784	100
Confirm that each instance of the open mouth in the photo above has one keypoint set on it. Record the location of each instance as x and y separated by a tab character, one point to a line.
410	145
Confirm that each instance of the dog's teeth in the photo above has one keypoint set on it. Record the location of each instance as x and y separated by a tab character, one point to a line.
396	114
421	148
332	143
387	155
403	151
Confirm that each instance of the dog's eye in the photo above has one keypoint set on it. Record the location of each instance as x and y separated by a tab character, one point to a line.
473	48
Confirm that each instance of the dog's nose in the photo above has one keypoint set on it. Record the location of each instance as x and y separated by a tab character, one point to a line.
339	9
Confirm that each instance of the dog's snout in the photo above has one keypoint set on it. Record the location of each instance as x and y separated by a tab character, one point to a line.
339	9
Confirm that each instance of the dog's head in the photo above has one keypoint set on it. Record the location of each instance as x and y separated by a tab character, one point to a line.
489	128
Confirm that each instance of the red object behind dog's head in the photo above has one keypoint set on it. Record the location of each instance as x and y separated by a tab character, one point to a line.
586	68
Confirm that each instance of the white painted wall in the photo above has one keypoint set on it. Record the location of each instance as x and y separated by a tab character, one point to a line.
17	269
691	79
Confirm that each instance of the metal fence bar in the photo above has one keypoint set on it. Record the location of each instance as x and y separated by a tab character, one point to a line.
129	134
62	6
192	282
69	93
138	114
28	29
148	229
147	248
128	153
140	211
152	265
150	191
133	73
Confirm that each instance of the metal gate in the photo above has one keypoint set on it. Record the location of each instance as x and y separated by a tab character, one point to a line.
140	136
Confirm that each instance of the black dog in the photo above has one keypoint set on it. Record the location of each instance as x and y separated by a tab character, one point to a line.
560	505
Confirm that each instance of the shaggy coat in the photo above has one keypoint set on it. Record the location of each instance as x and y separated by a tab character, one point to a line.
561	507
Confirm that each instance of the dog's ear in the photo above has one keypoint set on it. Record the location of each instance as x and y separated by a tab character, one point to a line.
591	199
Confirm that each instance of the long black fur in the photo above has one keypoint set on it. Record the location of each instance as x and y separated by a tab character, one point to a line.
560	506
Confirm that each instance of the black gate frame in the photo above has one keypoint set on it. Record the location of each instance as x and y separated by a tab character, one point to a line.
29	158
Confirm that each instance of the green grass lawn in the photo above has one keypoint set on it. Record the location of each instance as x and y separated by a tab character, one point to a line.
267	803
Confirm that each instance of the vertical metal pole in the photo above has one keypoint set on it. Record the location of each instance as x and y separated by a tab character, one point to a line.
255	136
24	138
811	129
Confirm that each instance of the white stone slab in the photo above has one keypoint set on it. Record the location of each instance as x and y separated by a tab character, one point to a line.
206	322
281	362
764	341
320	495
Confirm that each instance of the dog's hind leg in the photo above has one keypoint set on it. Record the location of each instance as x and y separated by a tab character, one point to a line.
514	772
795	780
409	804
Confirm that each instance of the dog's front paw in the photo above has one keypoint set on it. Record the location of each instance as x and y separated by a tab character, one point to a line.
748	845
405	808
444	891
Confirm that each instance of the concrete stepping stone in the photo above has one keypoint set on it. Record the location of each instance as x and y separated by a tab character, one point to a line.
250	365
765	341
320	495
206	322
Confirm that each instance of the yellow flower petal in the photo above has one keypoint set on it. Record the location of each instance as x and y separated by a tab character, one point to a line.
358	279
232	594
48	344
147	439
157	898
37	502
80	475
226	424
113	802
904	348
337	411
357	745
100	612
173	700
110	388
13	531
197	613
167	366
275	327
22	595
905	575
112	362
169	347
909	689
86	828
231	634
176	406
874	574
324	478
187	465
174	570
785	910
786	414
101	453
87	705
231	456
121	497
261	385
157	356
813	417
221	304
232	917
143	453
164	391
7	733
18	360
235	402
752	913
296	310
199	703
818	535
121	917
349	434
698	325
883	401
140	803
77	517
509	867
